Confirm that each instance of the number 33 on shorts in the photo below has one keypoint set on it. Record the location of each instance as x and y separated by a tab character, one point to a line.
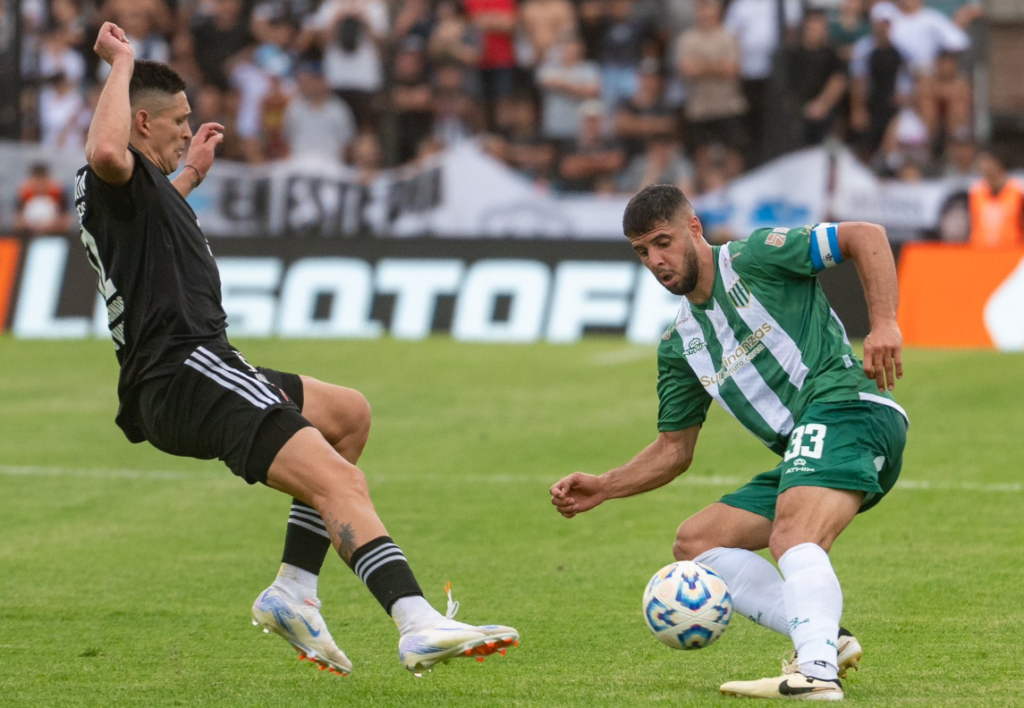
806	441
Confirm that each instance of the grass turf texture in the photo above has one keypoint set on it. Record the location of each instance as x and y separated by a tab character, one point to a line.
133	588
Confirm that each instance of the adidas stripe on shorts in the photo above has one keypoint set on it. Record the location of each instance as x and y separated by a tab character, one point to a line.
218	406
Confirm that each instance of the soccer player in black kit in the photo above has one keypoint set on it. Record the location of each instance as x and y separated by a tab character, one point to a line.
184	388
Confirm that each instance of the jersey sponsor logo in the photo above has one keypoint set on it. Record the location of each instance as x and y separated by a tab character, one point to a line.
777	237
733	361
739	294
695	345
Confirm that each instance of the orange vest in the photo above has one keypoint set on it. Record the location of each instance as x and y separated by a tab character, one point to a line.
997	220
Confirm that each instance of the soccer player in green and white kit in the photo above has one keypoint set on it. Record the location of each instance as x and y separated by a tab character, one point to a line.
756	333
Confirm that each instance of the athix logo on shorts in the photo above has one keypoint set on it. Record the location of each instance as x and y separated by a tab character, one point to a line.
800	465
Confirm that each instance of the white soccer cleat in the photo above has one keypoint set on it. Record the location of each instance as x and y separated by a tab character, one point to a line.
448	639
299	623
793	687
850	653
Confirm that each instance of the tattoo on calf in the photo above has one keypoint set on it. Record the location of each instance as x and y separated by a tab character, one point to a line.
345	534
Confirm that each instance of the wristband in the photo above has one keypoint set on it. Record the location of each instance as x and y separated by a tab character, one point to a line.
199	177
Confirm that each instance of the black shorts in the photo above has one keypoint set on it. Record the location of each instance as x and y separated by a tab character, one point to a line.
218	406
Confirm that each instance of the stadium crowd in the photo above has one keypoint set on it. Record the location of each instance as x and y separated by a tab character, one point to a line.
579	95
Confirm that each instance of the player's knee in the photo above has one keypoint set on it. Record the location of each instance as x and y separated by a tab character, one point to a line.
786	536
358	415
345	484
690	542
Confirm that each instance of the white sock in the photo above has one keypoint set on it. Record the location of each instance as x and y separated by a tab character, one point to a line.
300	583
755	585
814	605
413	613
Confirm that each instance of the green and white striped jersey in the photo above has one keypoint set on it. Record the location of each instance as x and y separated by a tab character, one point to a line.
767	344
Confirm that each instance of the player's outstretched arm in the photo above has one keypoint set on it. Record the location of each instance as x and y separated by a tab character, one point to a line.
106	148
656	465
868	246
200	157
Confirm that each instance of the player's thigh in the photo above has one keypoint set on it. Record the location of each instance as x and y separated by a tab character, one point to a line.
812	515
309	469
721	526
336	411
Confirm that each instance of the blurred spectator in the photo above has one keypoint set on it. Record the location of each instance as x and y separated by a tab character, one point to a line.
709	61
905	150
367	158
273	106
848	26
946	99
819	78
921	34
496	21
217	37
622	46
63	115
412	98
590	163
316	123
352	34
996	204
525	150
545	22
57	57
566	83
42	203
756	25
413	19
453	39
137	22
662	162
879	76
961	155
456	115
644	115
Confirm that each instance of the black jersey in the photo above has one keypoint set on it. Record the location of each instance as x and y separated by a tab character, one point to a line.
156	273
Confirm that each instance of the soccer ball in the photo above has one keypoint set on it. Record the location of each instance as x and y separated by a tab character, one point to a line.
687	605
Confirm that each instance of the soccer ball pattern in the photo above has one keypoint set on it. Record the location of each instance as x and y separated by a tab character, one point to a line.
687	605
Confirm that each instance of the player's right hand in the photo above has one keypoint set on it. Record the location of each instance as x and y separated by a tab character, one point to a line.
576	493
111	43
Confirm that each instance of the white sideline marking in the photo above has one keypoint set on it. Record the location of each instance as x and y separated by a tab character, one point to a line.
626	355
500	478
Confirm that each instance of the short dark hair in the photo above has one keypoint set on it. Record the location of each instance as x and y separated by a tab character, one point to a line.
653	205
153	77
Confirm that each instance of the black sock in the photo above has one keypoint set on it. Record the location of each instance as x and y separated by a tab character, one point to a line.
306	542
383	567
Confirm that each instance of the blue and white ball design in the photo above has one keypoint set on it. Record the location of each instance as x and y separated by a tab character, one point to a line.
687	605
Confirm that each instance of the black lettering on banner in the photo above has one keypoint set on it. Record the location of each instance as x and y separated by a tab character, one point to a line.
245	199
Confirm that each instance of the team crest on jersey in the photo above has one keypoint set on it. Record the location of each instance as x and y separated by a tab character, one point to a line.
777	237
739	294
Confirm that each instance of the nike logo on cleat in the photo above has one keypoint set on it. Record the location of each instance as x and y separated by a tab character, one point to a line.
314	632
786	690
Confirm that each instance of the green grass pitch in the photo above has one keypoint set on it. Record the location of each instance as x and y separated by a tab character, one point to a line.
126	575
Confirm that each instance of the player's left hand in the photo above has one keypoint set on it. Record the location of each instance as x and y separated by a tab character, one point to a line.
882	355
204	142
576	493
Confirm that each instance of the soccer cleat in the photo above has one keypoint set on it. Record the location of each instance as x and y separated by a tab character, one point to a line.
447	639
794	687
299	623
850	653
